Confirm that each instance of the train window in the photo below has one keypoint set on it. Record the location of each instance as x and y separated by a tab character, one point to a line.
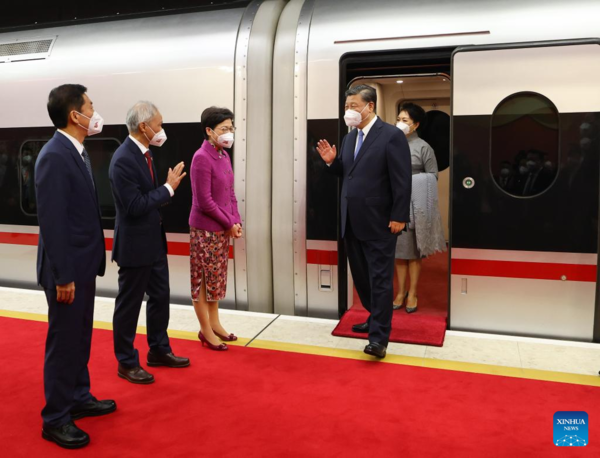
29	153
524	152
100	150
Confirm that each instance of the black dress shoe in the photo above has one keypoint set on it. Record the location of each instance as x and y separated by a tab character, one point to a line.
93	408
362	327
67	435
375	349
167	359
135	375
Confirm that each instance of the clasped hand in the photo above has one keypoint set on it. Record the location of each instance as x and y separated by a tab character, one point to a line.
396	227
235	231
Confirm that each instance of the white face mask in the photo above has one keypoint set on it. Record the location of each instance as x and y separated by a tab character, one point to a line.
96	123
225	140
159	138
354	118
403	127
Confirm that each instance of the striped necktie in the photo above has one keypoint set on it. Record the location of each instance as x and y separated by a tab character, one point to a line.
88	164
361	134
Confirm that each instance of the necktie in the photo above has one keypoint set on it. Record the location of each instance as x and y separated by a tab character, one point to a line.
149	160
88	164
361	134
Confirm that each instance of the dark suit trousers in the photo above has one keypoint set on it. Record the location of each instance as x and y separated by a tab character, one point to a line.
66	376
133	283
372	267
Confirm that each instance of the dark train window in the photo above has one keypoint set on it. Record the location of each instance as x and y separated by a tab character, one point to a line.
524	153
100	150
29	153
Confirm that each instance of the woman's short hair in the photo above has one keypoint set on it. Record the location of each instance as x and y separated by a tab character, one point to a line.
416	112
212	117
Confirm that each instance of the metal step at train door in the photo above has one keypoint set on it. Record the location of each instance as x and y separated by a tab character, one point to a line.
524	206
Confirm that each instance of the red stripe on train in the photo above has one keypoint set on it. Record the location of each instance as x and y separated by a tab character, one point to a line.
528	270
322	257
471	267
15	238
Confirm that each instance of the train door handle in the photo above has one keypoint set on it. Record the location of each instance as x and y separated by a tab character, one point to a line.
325	278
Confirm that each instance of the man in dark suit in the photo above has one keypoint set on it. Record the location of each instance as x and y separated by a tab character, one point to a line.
140	244
374	162
71	253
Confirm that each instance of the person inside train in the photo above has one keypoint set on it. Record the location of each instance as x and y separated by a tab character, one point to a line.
374	162
425	234
140	244
71	254
505	176
214	219
538	178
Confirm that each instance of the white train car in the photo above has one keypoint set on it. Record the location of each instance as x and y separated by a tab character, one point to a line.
509	85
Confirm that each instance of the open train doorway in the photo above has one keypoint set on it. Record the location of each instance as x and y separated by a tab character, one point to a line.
422	79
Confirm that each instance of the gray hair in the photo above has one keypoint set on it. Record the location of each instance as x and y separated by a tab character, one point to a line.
142	111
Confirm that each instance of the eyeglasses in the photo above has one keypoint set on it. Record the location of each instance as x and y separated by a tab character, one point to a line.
226	129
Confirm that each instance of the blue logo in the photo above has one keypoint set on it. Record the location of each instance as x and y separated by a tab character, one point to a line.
571	429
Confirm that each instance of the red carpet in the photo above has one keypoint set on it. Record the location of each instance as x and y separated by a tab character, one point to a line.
261	403
426	326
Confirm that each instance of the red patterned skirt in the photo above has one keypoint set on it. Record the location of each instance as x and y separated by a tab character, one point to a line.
209	255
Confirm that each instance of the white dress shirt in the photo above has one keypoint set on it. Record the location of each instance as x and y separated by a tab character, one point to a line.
78	146
365	130
143	149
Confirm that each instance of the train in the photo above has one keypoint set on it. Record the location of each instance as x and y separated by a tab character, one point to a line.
511	87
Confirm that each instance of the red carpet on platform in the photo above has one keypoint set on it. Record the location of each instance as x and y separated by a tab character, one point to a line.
426	326
262	403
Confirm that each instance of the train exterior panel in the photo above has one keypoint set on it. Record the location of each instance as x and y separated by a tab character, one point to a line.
283	67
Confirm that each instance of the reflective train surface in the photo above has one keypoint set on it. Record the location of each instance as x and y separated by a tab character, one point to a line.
513	101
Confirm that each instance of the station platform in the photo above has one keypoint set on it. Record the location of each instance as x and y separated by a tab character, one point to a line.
472	352
288	387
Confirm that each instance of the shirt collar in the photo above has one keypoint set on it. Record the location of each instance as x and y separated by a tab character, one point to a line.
142	148
412	137
78	146
367	128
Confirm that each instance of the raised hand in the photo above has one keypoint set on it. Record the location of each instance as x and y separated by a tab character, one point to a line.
175	175
327	152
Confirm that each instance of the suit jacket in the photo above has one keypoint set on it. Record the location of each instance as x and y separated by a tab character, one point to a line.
376	186
214	206
140	238
71	243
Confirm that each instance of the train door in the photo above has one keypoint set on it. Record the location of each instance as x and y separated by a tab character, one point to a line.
524	205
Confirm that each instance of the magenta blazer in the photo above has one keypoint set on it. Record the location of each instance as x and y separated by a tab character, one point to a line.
214	206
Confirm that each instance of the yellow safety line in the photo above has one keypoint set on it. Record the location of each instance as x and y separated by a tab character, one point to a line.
475	368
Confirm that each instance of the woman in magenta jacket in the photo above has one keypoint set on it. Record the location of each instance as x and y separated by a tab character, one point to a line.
213	220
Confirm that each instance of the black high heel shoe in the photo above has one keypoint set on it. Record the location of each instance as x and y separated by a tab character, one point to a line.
399	306
412	309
